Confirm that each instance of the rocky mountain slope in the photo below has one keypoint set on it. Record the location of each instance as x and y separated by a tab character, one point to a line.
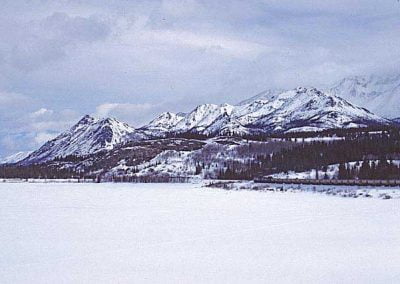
88	136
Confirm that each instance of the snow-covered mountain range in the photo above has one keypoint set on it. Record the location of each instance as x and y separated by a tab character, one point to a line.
379	94
301	109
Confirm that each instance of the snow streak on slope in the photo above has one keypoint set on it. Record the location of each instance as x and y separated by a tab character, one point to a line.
87	136
381	95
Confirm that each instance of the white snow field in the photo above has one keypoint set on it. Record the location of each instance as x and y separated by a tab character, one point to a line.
182	233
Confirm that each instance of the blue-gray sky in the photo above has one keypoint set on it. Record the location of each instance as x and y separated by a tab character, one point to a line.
134	59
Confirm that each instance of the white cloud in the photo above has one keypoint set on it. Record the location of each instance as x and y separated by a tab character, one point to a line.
107	109
22	131
136	114
43	137
33	43
47	120
42	112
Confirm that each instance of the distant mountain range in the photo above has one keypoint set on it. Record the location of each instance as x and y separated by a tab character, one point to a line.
379	94
298	110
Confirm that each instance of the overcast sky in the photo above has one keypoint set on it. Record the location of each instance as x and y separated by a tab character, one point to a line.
134	59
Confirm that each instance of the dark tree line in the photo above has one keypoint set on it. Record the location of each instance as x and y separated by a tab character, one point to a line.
381	169
318	155
144	179
38	171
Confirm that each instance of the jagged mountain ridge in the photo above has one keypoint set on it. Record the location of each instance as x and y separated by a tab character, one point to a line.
86	137
301	109
379	94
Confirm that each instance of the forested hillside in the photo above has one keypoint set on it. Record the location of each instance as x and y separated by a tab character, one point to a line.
357	153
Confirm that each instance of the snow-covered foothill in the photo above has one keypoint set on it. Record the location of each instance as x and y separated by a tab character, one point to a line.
14	158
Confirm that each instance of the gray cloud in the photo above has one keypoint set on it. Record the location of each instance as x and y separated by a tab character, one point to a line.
31	44
135	59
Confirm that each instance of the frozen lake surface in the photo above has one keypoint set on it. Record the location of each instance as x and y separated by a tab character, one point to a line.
181	233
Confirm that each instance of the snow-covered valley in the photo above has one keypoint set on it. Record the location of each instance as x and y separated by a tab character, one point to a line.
168	233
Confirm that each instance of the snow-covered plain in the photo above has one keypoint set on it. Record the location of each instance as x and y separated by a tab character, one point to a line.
184	233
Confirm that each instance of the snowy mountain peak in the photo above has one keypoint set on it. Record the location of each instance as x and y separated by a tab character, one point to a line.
164	122
87	119
87	136
301	89
201	117
83	122
311	91
306	109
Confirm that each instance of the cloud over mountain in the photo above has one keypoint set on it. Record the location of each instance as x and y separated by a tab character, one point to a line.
177	54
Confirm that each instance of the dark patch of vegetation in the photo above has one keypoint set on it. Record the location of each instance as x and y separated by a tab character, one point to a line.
355	146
